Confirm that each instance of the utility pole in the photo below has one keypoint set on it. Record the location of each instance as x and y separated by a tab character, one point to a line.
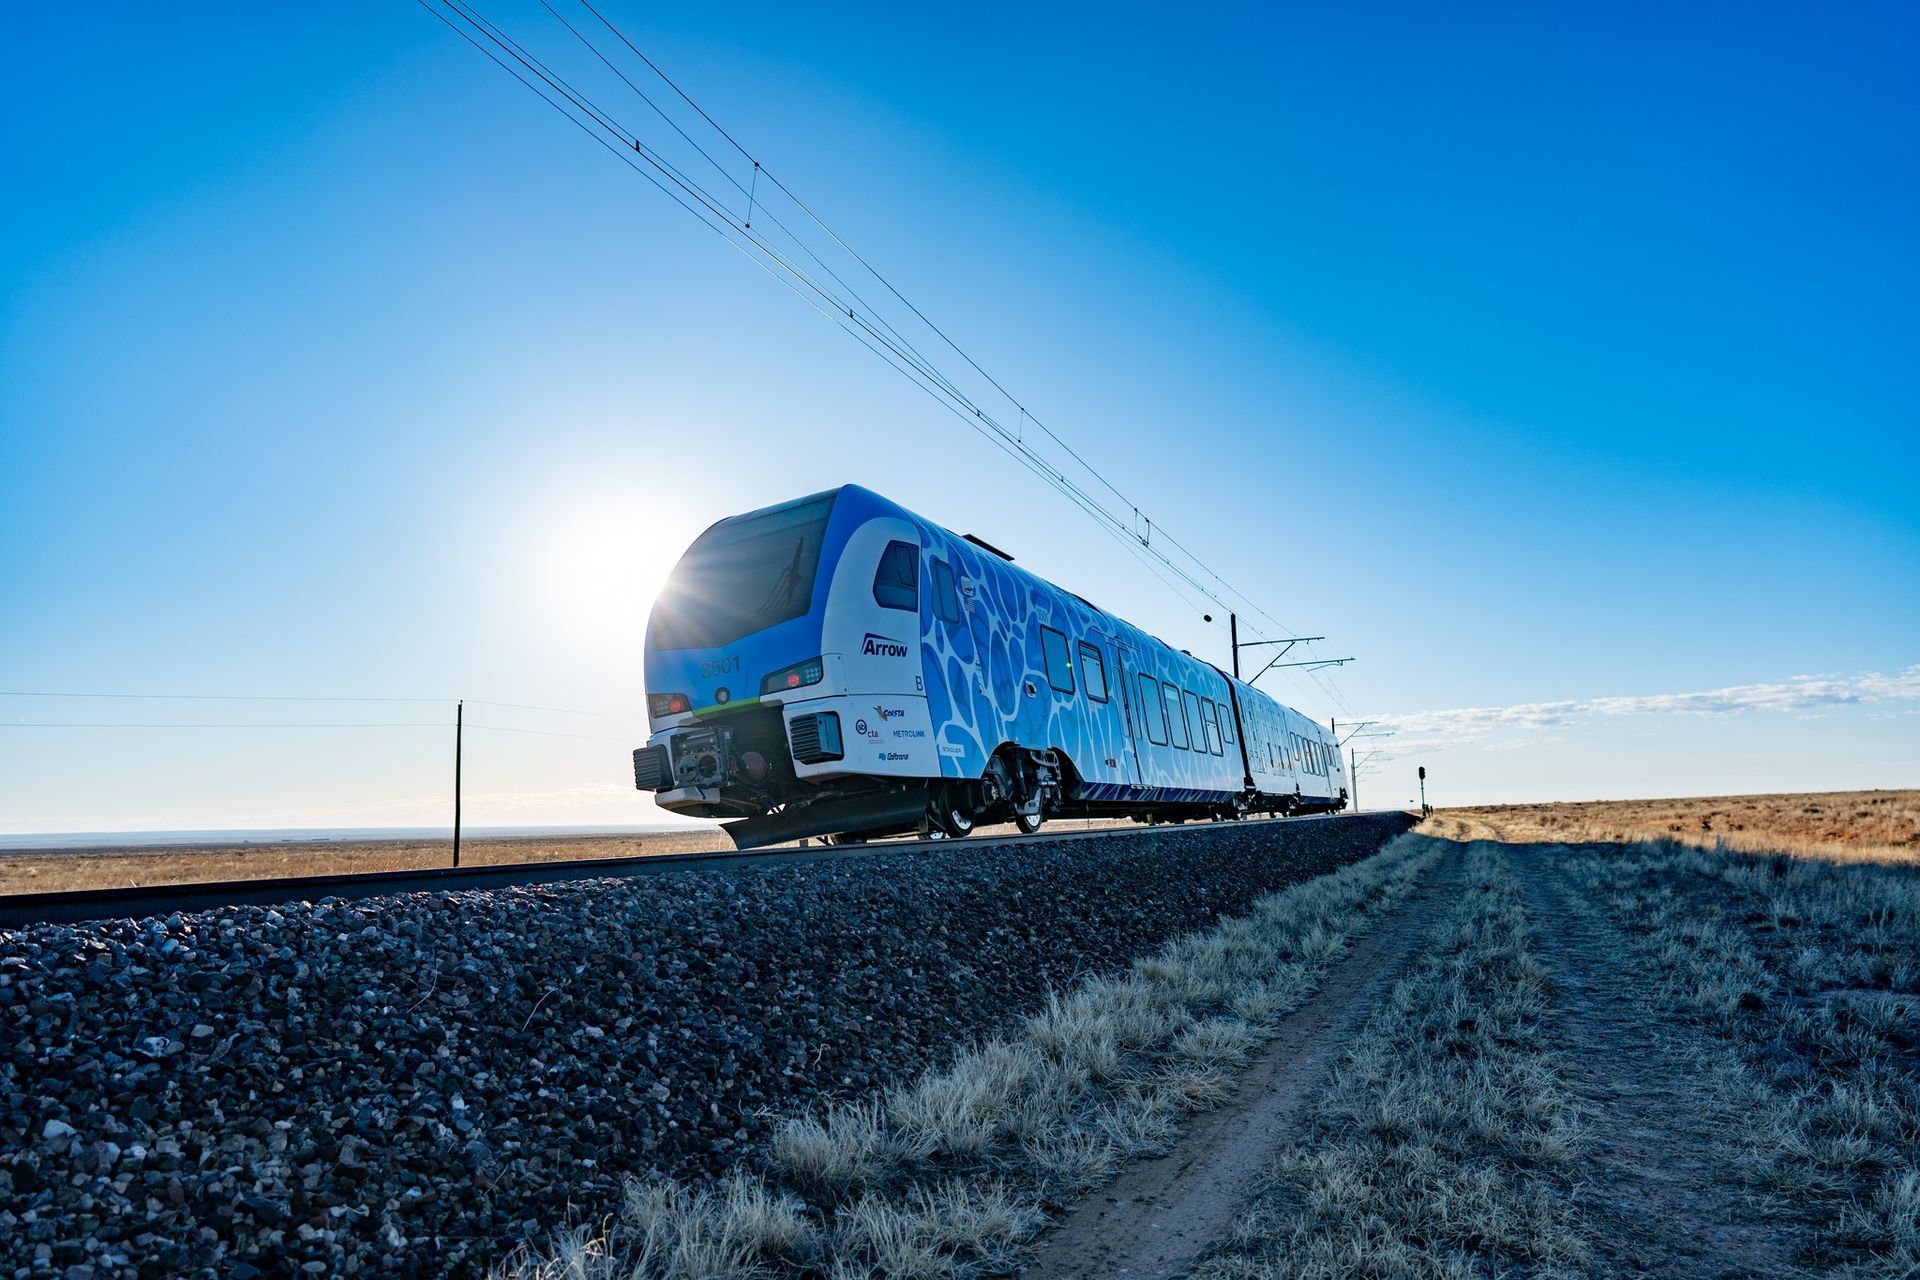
1353	775
459	730
1233	634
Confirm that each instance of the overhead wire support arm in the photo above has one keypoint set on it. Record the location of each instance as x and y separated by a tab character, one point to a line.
1254	644
1354	728
1311	664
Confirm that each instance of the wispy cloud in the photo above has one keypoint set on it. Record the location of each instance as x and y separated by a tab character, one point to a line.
1800	694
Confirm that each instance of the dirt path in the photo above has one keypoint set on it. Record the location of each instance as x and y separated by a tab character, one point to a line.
1158	1216
1663	1185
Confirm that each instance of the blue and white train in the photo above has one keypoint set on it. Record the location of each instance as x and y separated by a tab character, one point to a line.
839	666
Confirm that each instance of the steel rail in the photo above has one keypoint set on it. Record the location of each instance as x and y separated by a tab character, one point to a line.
24	910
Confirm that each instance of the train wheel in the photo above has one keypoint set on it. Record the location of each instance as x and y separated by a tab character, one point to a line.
953	810
1028	823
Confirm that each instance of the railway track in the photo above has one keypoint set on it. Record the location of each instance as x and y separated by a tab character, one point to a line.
21	910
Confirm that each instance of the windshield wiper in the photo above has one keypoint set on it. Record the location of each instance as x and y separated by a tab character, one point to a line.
787	583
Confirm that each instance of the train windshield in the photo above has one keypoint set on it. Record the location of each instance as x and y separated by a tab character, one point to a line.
743	576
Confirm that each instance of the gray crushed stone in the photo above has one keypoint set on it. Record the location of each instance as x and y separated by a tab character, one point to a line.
413	1085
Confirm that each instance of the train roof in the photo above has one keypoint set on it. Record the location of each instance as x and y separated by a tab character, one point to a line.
869	504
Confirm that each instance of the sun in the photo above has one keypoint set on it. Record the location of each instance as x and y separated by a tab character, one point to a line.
597	559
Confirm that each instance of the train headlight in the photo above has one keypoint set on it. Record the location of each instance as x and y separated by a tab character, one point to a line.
661	705
797	676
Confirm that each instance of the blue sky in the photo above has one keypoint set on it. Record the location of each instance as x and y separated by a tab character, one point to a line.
1533	356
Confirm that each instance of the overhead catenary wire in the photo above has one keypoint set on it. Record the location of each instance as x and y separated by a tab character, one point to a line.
861	320
1024	413
692	189
917	367
815	218
898	347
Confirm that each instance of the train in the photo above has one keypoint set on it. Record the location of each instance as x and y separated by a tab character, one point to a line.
837	666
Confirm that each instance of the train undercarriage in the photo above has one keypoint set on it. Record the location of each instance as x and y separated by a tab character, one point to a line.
739	771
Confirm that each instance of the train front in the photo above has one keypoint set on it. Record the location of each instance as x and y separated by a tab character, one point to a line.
746	684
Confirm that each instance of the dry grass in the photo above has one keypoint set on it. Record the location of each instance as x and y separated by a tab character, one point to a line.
1810	973
952	1174
1451	1141
1443	1144
1839	826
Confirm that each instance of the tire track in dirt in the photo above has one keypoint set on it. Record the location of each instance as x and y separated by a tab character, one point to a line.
1160	1214
1662	1188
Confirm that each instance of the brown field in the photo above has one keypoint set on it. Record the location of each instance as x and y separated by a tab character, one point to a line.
57	870
61	870
1874	826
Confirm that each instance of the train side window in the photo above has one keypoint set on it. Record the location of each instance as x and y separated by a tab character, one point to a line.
1211	720
1093	672
896	583
1191	701
1053	649
946	593
1176	718
1152	711
1226	723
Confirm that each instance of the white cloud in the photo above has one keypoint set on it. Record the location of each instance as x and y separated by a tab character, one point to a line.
1802	694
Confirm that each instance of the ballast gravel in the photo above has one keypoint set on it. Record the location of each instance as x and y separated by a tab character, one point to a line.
413	1085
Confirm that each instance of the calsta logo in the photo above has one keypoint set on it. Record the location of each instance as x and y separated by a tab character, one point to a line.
882	647
891	713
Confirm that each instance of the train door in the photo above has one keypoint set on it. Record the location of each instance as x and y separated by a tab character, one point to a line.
1126	671
1113	713
956	689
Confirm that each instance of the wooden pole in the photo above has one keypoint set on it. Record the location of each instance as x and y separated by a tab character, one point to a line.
459	730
